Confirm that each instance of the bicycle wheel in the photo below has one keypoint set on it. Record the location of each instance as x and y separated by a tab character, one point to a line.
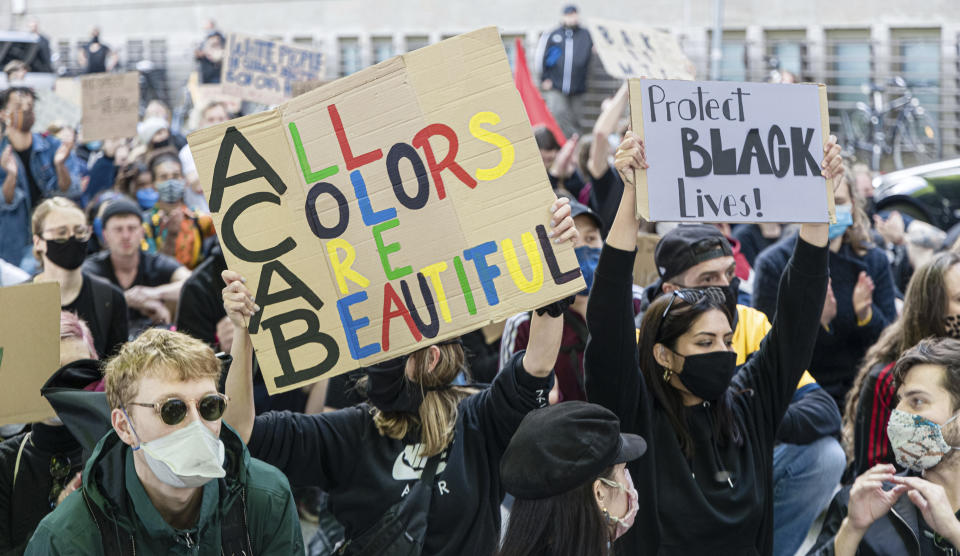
860	128
917	140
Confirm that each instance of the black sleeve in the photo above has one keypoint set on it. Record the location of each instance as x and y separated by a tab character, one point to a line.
500	408
766	279
605	197
775	369
811	416
163	268
836	513
119	327
311	450
342	390
611	361
8	455
199	310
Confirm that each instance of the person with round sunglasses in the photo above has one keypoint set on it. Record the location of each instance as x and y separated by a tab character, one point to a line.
710	426
417	424
169	477
60	236
566	468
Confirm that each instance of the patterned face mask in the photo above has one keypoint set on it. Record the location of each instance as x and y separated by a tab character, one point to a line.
917	442
952	325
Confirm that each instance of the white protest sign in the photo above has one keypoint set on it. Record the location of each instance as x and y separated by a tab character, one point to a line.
628	50
264	71
731	152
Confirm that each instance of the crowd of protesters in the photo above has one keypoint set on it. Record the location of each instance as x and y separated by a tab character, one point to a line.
777	383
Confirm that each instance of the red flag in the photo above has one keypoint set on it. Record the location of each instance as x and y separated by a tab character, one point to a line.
532	101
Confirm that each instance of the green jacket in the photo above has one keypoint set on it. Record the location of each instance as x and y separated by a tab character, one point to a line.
112	483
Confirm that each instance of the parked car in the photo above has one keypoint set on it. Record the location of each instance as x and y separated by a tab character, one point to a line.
930	192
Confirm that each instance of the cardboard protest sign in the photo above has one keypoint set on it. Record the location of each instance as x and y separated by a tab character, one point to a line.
29	349
110	104
203	94
391	209
264	71
644	265
721	151
51	108
628	50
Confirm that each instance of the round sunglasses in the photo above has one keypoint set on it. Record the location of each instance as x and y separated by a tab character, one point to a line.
172	411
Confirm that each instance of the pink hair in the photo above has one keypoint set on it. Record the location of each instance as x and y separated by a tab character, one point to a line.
72	326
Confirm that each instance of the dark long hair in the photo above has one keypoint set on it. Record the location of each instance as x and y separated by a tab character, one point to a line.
656	329
924	310
568	524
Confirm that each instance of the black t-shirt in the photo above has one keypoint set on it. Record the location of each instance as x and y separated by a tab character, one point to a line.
154	269
97	61
35	193
109	332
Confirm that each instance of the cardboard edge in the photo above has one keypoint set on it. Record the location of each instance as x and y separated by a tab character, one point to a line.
825	132
639	176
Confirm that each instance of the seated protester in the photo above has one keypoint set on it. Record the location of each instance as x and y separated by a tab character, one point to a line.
103	171
170	478
213	113
605	184
559	162
60	235
916	512
149	280
566	467
711	427
860	298
754	238
417	429
569	365
157	109
39	468
171	227
135	181
931	309
32	168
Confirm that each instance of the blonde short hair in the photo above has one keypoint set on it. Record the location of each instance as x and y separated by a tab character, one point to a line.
43	210
162	353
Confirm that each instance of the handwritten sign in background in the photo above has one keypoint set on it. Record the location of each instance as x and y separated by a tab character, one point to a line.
109	104
264	71
628	50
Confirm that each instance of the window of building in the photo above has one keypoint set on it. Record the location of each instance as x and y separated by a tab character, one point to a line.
350	61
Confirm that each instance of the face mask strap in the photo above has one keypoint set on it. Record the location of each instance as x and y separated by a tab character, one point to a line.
130	422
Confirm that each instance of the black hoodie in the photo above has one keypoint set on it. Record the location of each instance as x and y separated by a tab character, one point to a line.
365	473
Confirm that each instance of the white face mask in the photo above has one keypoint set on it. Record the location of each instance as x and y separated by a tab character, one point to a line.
186	458
917	442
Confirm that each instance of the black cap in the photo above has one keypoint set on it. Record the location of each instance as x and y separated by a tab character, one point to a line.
118	207
569	9
577	209
686	246
561	447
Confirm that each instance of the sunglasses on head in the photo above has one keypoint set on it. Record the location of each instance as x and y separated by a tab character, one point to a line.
172	411
692	296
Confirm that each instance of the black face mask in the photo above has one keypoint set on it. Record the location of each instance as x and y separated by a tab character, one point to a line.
67	254
708	375
162	144
389	389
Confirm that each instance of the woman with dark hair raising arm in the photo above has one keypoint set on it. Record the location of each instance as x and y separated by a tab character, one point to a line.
710	428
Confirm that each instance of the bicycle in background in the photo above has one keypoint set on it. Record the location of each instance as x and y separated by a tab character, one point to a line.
901	128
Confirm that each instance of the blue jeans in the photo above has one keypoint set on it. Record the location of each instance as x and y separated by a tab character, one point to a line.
804	478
